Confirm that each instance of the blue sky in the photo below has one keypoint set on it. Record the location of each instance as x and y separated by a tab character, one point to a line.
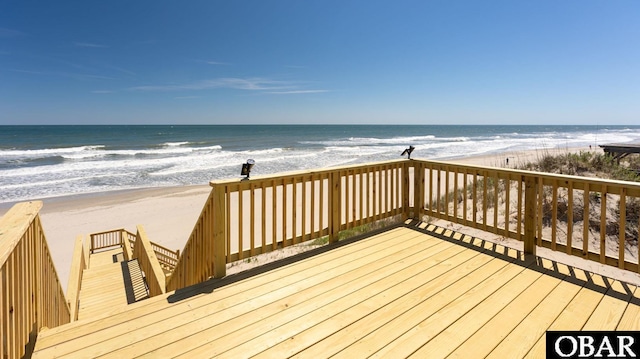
362	62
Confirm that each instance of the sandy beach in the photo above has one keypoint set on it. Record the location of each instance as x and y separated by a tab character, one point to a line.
168	214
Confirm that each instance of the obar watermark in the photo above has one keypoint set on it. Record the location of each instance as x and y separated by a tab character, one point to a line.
575	344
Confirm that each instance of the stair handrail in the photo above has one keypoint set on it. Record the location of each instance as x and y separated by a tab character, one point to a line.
32	297
78	264
144	253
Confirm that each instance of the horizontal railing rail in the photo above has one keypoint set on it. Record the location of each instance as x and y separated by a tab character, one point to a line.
31	296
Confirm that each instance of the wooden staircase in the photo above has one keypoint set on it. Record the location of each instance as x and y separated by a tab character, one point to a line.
110	284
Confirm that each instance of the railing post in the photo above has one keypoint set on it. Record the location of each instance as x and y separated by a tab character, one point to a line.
418	184
405	190
335	207
219	231
530	196
126	246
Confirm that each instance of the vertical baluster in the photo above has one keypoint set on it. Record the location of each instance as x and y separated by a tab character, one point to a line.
507	187
496	181
240	223
622	227
304	208
585	220
252	217
484	199
263	215
520	215
603	224
294	210
554	214
274	215
569	217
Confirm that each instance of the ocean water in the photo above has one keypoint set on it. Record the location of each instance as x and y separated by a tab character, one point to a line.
48	161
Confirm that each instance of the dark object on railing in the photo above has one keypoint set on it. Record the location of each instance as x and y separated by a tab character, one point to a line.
408	152
246	168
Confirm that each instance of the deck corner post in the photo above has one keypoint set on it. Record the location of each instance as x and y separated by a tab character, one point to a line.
219	233
530	201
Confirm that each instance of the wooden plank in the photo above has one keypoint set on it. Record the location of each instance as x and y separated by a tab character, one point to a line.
299	301
610	310
377	328
534	326
205	323
631	317
257	338
367	296
156	308
483	341
572	317
488	299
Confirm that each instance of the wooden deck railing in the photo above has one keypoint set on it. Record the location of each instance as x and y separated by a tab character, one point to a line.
586	217
108	239
119	237
30	293
167	257
242	218
144	252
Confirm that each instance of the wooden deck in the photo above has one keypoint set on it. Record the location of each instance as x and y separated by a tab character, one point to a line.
109	284
421	292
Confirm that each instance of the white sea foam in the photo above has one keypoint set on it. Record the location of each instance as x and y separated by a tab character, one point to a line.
48	152
37	173
174	144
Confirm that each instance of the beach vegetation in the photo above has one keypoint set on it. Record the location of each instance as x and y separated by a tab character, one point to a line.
319	241
588	164
568	213
591	164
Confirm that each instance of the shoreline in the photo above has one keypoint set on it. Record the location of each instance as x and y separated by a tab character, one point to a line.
168	214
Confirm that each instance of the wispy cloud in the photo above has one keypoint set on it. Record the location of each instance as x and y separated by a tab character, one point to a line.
249	84
30	72
120	69
186	97
88	44
294	92
77	76
8	33
216	63
102	91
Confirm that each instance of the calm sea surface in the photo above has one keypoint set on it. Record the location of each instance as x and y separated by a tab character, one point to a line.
47	161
